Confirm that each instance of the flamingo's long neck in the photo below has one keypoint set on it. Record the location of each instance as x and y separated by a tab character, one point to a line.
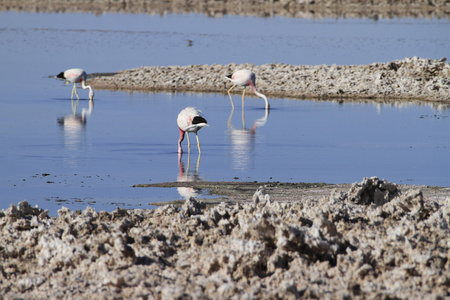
252	85
180	150
86	86
91	92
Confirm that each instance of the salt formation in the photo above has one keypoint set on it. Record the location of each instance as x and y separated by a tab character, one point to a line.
373	241
410	78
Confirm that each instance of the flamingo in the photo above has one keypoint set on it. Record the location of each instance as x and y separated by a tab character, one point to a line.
190	119
245	78
76	76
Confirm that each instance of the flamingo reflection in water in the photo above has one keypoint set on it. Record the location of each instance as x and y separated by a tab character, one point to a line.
74	125
187	175
74	122
243	140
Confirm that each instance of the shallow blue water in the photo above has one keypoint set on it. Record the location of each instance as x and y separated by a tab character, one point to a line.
53	157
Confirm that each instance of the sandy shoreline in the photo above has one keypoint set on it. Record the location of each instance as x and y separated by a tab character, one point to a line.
407	79
241	192
372	239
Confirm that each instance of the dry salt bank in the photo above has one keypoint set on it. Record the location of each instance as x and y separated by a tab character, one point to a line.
375	239
408	79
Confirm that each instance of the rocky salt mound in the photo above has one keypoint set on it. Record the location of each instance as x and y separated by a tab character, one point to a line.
372	241
410	78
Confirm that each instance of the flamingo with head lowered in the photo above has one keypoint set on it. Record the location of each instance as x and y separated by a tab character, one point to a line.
245	78
190	119
76	76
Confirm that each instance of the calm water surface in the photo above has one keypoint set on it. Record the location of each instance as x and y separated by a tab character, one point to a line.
56	153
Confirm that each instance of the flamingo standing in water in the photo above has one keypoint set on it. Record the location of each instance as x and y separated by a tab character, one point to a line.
245	78
76	76
190	119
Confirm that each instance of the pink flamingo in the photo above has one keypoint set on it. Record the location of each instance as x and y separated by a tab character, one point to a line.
190	119
76	76
245	78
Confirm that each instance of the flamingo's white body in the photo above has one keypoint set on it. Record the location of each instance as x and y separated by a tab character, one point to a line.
245	78
76	76
190	119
